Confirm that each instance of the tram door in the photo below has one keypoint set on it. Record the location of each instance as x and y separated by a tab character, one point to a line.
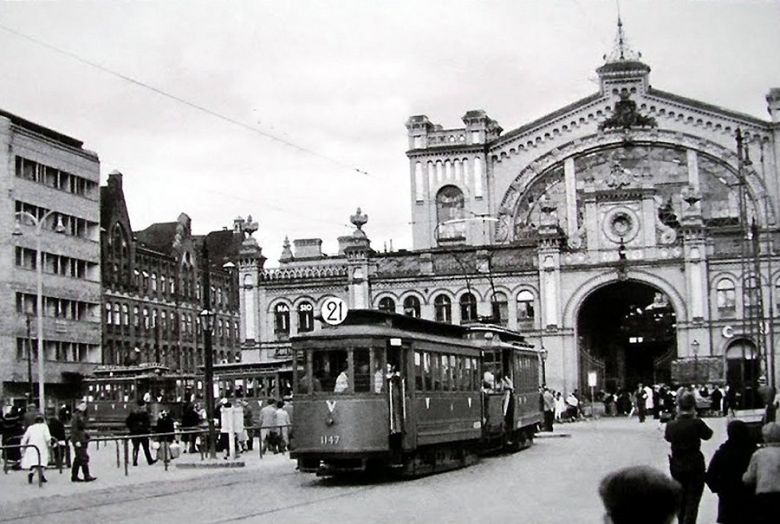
396	392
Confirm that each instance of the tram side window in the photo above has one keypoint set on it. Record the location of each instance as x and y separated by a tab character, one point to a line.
326	367
362	360
427	371
418	371
467	374
378	367
436	371
475	373
457	372
445	373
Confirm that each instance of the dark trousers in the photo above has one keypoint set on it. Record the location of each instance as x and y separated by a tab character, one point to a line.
142	442
767	505
692	487
642	411
80	461
549	417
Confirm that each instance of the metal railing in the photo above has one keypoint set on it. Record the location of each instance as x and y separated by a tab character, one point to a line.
25	446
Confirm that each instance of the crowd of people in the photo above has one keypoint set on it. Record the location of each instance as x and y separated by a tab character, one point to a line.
36	440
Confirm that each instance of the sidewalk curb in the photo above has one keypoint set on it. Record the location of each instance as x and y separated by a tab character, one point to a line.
552	435
211	465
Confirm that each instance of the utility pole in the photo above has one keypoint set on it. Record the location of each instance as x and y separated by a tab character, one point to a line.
29	360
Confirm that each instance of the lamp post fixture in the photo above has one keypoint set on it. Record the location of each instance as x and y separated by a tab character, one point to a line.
59	228
543	354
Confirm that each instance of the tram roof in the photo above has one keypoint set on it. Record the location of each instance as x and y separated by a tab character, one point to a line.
370	322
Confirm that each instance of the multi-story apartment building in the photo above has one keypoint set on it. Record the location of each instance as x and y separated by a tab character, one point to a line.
48	179
153	288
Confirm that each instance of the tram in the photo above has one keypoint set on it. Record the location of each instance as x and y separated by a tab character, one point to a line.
113	391
382	390
255	383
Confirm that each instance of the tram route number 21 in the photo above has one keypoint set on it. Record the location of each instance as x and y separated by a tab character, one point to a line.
329	440
334	311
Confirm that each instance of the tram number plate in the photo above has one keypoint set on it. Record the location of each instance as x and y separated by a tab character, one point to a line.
329	440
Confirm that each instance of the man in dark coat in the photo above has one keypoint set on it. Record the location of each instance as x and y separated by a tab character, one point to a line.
641	402
139	423
79	438
736	501
57	431
686	463
190	420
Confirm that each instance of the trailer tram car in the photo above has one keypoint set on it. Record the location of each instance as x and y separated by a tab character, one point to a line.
113	391
382	390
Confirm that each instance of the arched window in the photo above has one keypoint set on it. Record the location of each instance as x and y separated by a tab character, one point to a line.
442	306
412	306
752	295
525	306
146	318
281	320
305	317
164	320
109	319
387	305
726	297
125	315
117	317
468	308
500	308
136	316
154	281
450	207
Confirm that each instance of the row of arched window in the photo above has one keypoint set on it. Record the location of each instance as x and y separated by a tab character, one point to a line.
726	295
467	304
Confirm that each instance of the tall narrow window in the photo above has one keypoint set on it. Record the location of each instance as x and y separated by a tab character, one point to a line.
450	211
387	305
726	297
525	306
500	308
477	177
468	308
442	306
282	320
412	307
305	317
419	182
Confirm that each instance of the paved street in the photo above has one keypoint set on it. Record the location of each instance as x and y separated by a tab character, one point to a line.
553	482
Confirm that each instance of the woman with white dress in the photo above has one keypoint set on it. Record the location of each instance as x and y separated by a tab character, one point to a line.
37	435
560	407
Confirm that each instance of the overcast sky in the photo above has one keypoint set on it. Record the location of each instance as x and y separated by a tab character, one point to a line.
339	79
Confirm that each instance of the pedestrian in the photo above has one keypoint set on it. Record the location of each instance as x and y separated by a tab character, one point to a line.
763	475
225	429
686	463
57	430
249	436
80	438
639	495
12	435
139	423
641	402
560	407
724	475
716	399
267	426
282	422
190	420
37	434
549	409
766	394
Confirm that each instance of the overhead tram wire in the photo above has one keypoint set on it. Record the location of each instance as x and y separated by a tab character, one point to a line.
181	100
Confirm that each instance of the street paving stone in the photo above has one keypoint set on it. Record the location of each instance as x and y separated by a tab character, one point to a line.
553	482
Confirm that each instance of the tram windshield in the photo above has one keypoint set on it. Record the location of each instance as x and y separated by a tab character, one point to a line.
339	370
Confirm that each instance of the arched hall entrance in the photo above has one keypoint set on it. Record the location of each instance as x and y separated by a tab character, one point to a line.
626	333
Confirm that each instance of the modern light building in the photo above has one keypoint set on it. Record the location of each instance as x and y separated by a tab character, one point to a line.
49	178
632	234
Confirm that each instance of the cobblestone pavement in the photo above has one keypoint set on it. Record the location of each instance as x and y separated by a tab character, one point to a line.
553	482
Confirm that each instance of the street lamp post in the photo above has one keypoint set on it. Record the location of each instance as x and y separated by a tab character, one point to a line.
207	321
695	345
29	360
59	228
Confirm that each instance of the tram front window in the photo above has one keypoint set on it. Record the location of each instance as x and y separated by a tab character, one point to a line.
327	366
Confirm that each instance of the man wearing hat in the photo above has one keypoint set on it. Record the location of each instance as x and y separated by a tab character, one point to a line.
79	438
686	463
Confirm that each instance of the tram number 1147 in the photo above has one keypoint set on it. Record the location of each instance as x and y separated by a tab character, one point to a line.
329	440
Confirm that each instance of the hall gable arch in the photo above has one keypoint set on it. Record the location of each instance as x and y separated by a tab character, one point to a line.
586	289
413	293
539	167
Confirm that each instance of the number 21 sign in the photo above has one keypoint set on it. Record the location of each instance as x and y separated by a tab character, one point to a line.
334	311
